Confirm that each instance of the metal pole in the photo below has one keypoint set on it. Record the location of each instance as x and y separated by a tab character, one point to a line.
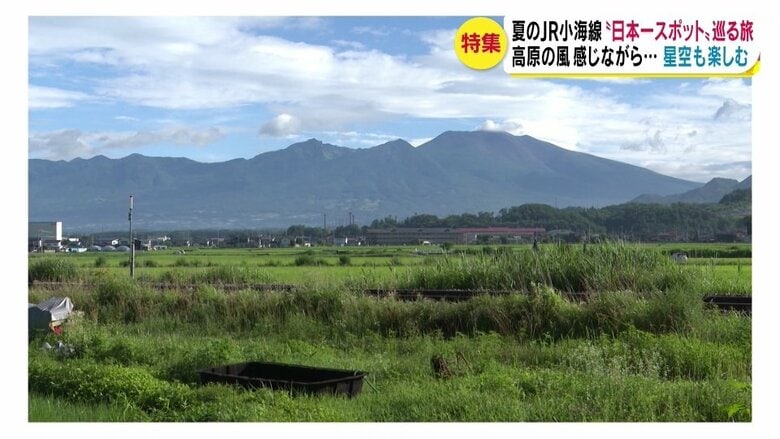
132	242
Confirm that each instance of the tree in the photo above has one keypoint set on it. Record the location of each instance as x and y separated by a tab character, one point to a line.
747	223
422	221
387	222
347	231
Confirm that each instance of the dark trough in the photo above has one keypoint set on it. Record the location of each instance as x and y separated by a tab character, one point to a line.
446	295
731	303
453	295
292	378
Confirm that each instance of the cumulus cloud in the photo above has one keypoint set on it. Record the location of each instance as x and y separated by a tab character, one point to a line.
68	144
736	89
652	142
732	109
58	145
511	126
281	125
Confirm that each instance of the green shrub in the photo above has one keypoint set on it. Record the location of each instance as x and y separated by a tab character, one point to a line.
671	311
613	311
114	291
308	259
83	380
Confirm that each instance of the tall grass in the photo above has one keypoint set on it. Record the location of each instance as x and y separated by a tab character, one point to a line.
216	275
570	268
541	313
232	274
55	269
51	409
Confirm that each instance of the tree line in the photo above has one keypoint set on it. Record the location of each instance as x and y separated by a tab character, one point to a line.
631	220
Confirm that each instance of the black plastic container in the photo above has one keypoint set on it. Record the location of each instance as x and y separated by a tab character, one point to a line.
292	378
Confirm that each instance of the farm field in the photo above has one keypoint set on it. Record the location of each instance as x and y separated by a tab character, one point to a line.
641	347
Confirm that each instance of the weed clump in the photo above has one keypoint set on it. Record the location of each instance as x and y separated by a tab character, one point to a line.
309	260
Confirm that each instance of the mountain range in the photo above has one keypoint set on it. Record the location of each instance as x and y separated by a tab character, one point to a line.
453	173
712	192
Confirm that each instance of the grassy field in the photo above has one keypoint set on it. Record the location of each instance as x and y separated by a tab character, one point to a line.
643	348
305	266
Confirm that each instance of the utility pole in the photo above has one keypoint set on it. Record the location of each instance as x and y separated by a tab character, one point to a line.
132	242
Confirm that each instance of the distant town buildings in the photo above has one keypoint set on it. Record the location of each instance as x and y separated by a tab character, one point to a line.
435	235
47	236
44	235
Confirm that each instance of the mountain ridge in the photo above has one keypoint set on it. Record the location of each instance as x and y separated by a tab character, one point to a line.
711	192
455	172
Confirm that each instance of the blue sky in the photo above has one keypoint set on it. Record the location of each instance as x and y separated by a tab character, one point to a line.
218	88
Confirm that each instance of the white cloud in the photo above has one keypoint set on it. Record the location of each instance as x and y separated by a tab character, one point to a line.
731	109
512	126
281	125
438	39
215	63
371	30
419	141
59	145
48	97
653	142
68	144
702	171
353	45
735	89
